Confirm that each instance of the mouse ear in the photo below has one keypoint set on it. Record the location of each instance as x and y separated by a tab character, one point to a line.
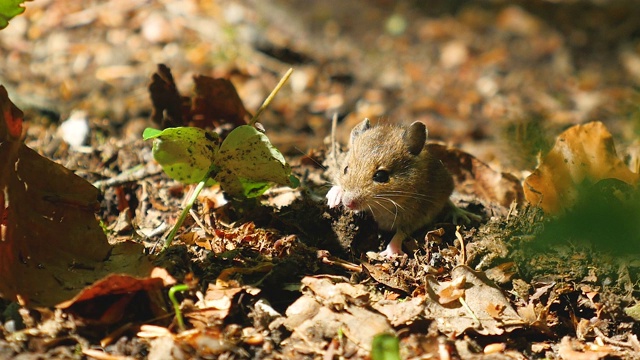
363	126
415	137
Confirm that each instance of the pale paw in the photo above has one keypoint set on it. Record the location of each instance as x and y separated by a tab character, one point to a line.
394	248
391	254
334	196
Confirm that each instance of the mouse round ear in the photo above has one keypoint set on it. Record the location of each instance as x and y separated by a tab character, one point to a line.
363	126
414	137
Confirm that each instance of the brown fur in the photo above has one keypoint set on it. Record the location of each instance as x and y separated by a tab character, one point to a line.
419	185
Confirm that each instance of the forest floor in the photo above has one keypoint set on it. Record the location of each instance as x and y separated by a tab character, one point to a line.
285	277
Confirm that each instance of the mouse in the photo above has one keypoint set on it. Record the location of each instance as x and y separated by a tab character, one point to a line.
389	173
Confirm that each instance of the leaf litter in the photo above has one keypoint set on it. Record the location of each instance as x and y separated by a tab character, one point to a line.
268	253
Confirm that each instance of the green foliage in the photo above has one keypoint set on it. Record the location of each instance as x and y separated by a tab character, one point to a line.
385	347
176	305
245	165
185	153
249	163
8	10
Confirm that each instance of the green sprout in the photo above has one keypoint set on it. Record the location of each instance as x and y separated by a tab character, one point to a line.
385	347
245	165
176	304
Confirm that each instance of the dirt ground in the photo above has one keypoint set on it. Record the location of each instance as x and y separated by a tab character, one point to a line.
284	276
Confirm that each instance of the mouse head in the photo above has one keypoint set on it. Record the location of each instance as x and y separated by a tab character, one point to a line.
382	161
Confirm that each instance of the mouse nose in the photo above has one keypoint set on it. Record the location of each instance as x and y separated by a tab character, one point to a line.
350	202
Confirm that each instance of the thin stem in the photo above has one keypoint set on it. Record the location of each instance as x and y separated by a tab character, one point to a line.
176	305
184	213
269	98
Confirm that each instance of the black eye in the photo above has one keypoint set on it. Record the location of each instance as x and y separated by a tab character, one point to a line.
381	176
345	170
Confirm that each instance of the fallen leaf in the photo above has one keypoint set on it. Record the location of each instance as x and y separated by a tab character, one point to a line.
169	108
117	296
480	294
581	153
472	176
51	244
401	313
216	102
47	212
451	290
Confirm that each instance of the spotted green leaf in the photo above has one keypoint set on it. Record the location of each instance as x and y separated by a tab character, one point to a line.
249	163
186	154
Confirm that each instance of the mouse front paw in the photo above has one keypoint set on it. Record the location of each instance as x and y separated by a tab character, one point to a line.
395	246
334	196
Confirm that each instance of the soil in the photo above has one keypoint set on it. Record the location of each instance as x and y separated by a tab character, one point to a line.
284	276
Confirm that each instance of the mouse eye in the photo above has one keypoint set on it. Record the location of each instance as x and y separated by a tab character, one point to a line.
381	176
345	170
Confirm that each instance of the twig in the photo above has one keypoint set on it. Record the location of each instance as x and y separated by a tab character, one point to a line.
463	250
471	313
334	146
269	98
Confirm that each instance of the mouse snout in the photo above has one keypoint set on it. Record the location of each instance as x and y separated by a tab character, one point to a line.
350	201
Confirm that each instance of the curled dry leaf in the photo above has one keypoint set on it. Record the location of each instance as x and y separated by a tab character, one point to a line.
119	296
451	290
472	176
332	305
169	108
583	153
480	294
214	103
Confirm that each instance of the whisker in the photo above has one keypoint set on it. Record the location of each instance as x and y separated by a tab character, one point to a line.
384	207
427	199
395	204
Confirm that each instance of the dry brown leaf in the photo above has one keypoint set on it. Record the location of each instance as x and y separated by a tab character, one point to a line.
479	294
116	296
47	211
214	103
581	153
332	305
169	108
451	290
51	245
472	176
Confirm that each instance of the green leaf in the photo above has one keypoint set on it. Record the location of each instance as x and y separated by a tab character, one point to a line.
150	133
9	9
385	347
185	153
248	163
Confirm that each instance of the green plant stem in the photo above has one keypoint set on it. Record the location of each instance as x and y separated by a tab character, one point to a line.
269	98
176	305
184	213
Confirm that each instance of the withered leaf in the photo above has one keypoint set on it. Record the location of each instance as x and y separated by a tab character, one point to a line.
472	176
581	153
169	108
216	102
51	244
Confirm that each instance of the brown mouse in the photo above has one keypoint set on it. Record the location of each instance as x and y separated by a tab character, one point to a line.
389	173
